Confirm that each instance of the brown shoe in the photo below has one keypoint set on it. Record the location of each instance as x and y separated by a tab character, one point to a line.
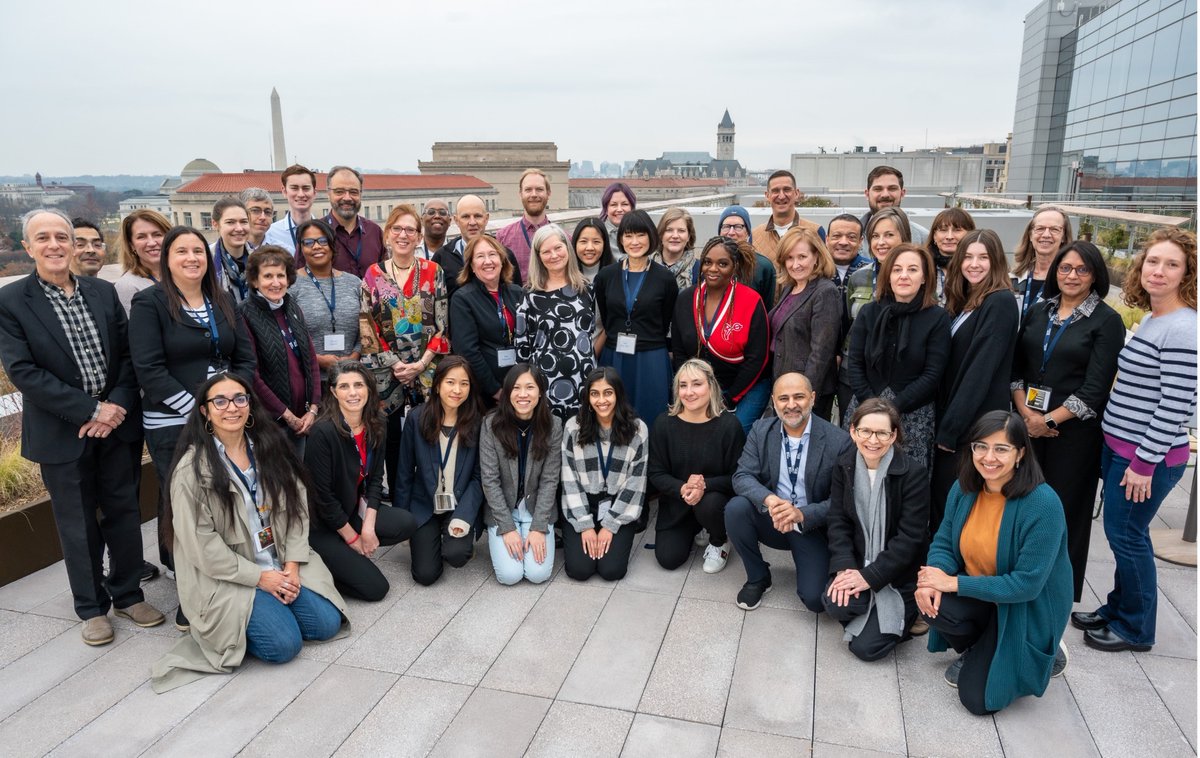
143	614
919	628
97	631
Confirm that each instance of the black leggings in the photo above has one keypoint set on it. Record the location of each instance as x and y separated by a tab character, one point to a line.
615	562
355	574
870	644
432	545
969	624
673	544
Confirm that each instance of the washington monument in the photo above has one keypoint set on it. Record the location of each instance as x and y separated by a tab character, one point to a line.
280	158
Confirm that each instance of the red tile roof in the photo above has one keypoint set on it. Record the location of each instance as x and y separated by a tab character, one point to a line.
656	183
230	184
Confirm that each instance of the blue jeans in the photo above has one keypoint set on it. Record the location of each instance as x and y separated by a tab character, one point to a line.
277	631
510	570
1132	606
753	403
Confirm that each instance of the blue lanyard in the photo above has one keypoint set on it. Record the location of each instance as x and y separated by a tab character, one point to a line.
263	518
449	446
292	230
1027	300
793	465
289	339
631	296
605	465
214	333
331	301
356	255
225	260
500	309
1048	344
524	233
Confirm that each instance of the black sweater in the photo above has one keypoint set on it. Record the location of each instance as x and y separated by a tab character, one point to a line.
978	375
653	308
476	332
333	464
914	376
679	449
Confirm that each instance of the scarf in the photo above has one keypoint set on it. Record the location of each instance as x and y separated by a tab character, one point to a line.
870	503
893	325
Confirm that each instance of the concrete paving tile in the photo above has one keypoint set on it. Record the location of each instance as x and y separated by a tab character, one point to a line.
650	735
1175	682
612	668
40	670
492	724
1024	725
363	615
691	677
468	646
239	710
580	731
1173	636
736	743
1179	587
323	715
645	575
33	590
830	750
60	605
60	712
783	579
721	587
21	633
537	660
842	714
772	689
935	723
424	707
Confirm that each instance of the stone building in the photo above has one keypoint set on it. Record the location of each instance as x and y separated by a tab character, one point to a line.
500	164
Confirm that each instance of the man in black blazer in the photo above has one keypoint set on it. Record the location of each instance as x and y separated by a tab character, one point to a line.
64	346
782	482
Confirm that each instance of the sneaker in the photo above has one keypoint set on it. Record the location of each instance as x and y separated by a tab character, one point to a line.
954	669
1060	661
919	628
715	558
751	594
702	538
143	614
181	621
149	571
97	631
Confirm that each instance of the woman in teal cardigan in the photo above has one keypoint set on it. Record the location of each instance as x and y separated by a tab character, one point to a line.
998	585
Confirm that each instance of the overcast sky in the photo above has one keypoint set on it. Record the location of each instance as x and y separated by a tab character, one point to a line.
142	88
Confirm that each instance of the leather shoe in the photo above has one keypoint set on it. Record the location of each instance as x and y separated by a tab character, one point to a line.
143	614
97	631
149	571
1110	642
1086	621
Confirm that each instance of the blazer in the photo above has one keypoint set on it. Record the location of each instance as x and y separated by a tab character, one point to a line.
808	338
498	474
476	333
417	477
906	491
758	468
980	366
333	465
38	359
171	357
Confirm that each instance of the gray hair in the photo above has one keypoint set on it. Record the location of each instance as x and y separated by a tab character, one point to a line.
537	272
329	174
29	217
255	195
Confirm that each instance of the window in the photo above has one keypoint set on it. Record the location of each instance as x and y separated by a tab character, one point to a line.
187	219
206	221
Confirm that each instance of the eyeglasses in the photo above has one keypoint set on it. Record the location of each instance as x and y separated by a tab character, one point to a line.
983	448
1065	269
436	213
220	402
1040	230
82	243
261	211
733	227
879	434
312	242
403	231
341	192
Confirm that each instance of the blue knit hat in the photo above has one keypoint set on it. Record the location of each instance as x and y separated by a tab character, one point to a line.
740	212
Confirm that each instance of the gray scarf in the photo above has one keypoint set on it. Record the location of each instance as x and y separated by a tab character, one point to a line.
870	503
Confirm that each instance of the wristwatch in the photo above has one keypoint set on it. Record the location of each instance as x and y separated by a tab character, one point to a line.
1050	422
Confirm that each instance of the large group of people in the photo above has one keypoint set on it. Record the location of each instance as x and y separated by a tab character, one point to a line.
923	429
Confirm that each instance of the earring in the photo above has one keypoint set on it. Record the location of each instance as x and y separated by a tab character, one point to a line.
250	422
1018	463
208	426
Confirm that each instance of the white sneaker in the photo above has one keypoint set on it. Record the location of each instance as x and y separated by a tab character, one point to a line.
715	558
702	538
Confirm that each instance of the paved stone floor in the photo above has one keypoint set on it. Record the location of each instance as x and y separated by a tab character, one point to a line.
660	664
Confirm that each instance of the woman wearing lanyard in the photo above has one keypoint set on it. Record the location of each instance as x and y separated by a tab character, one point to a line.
604	453
402	323
142	235
636	301
1063	368
983	330
1044	236
182	331
288	379
327	297
232	221
238	524
615	203
556	320
677	233
344	456
592	249
483	315
438	480
723	322
520	453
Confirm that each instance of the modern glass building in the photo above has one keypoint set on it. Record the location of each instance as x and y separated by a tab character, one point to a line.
1106	101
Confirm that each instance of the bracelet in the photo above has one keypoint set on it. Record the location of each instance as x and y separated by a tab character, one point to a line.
351	542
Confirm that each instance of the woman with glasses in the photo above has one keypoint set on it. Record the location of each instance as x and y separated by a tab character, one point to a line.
230	251
1063	368
142	234
327	297
997	584
237	521
483	315
877	532
1044	236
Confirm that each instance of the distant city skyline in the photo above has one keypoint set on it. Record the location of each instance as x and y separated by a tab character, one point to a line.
629	82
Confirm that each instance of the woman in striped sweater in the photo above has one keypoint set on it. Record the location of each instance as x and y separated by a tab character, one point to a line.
1145	442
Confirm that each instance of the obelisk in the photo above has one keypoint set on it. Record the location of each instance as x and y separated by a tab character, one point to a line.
280	160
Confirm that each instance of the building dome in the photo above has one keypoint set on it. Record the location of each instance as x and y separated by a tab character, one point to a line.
197	167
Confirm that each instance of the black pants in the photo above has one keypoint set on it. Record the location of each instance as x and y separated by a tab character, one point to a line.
844	394
969	624
104	478
355	574
823	407
749	526
1071	463
431	544
945	474
871	644
161	444
615	562
391	450
673	542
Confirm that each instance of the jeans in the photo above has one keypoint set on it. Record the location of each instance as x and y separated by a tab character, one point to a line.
1132	606
508	569
753	403
277	631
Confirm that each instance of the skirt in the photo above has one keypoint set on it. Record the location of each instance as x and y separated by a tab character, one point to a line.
648	379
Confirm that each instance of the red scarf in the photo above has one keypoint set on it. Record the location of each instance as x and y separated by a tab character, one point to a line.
731	322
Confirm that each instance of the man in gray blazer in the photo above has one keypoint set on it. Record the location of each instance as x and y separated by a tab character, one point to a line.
782	484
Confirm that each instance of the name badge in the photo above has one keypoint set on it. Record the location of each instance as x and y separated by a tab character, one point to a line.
335	343
362	508
626	343
263	539
506	356
1038	398
444	503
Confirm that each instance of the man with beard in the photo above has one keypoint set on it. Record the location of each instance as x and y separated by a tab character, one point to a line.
534	187
783	481
472	218
299	189
89	248
885	188
435	222
358	241
782	195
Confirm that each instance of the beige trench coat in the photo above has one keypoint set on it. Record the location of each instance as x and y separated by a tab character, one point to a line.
216	575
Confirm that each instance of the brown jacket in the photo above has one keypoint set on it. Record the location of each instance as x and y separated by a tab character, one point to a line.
766	239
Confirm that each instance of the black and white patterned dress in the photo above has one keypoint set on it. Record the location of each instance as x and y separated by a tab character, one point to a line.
554	333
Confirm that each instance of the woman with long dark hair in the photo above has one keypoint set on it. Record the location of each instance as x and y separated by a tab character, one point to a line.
438	472
344	456
592	248
519	453
237	522
616	201
947	229
604	453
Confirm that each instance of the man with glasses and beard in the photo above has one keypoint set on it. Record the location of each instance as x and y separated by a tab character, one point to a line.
358	241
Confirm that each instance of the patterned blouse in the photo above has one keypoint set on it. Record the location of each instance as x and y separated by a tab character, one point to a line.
554	332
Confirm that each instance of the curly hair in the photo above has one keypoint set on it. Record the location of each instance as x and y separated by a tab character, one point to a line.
1136	296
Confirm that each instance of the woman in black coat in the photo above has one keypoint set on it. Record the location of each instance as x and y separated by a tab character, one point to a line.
344	456
877	533
483	315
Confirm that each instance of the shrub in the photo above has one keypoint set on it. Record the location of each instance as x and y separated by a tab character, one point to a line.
20	480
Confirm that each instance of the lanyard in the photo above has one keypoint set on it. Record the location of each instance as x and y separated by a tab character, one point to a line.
449	446
263	517
501	311
331	301
874	276
793	465
524	233
357	254
704	329
631	296
1048	344
289	339
605	464
364	456
959	321
292	230
1027	300
214	333
231	269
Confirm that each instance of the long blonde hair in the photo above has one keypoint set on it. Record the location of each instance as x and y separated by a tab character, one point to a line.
716	404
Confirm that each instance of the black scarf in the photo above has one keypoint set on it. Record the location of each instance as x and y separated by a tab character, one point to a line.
891	328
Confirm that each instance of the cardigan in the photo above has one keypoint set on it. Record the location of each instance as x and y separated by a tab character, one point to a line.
808	334
275	381
333	466
1032	588
977	375
653	307
476	332
498	474
915	375
737	349
624	488
418	470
